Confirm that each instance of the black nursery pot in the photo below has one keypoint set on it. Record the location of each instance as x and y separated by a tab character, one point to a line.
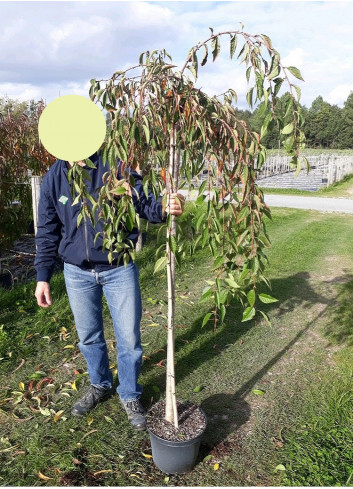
175	457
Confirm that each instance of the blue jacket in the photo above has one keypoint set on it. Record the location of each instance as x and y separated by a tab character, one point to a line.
57	231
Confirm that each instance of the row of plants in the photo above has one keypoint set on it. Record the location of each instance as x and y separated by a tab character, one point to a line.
20	154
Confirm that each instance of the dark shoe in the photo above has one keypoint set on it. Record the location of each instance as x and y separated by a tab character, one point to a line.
135	414
93	396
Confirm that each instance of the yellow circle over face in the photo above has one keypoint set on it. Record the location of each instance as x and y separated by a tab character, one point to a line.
72	128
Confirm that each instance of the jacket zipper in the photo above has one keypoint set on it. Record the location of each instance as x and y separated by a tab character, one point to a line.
86	234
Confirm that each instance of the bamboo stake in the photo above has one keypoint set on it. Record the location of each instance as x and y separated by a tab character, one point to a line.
171	413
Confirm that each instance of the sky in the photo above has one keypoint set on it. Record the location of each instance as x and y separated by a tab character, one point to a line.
48	49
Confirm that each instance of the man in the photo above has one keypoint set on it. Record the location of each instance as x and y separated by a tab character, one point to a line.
88	274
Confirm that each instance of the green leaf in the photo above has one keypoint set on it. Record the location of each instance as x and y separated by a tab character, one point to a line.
275	72
204	59
251	295
147	133
248	314
266	318
267	299
232	283
216	47
266	40
160	264
223	312
299	92
206	318
258	392
218	261
295	72
206	294
249	96
288	129
172	244
233	45
279	467
198	388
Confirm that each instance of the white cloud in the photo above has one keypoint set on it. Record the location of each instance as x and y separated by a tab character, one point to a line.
339	94
52	46
295	57
20	91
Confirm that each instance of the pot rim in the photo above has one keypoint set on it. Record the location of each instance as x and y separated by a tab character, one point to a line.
181	442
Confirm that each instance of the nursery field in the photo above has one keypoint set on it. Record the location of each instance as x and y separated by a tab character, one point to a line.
278	398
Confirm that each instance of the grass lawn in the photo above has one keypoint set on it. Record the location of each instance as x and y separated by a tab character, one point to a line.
270	393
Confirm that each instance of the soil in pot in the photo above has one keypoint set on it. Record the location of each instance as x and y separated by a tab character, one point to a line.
192	422
174	450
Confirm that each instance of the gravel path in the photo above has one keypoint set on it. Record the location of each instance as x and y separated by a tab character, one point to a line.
313	203
299	202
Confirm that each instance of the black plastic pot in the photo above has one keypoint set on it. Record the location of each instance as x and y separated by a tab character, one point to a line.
174	457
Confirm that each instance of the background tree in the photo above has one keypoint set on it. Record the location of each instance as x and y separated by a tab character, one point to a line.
346	128
20	152
172	131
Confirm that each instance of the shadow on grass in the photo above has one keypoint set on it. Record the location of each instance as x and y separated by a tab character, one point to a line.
339	328
293	292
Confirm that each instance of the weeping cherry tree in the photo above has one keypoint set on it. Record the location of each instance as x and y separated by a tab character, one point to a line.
172	131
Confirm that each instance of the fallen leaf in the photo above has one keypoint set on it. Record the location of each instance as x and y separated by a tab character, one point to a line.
146	455
160	364
277	442
258	392
23	361
87	434
19	452
44	411
21	386
279	467
216	466
4	450
43	477
76	461
198	388
166	480
102	472
58	415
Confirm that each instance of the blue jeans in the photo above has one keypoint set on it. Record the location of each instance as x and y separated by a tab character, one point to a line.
121	288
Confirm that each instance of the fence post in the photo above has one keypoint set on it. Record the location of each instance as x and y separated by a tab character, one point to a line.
35	184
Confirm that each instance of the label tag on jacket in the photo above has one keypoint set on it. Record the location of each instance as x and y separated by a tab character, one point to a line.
63	199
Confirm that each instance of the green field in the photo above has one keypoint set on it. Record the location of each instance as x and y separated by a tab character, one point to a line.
277	398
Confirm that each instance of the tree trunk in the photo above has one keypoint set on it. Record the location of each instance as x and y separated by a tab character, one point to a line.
171	413
139	241
35	184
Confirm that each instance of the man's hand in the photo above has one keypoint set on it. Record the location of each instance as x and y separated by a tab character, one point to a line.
175	204
42	294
